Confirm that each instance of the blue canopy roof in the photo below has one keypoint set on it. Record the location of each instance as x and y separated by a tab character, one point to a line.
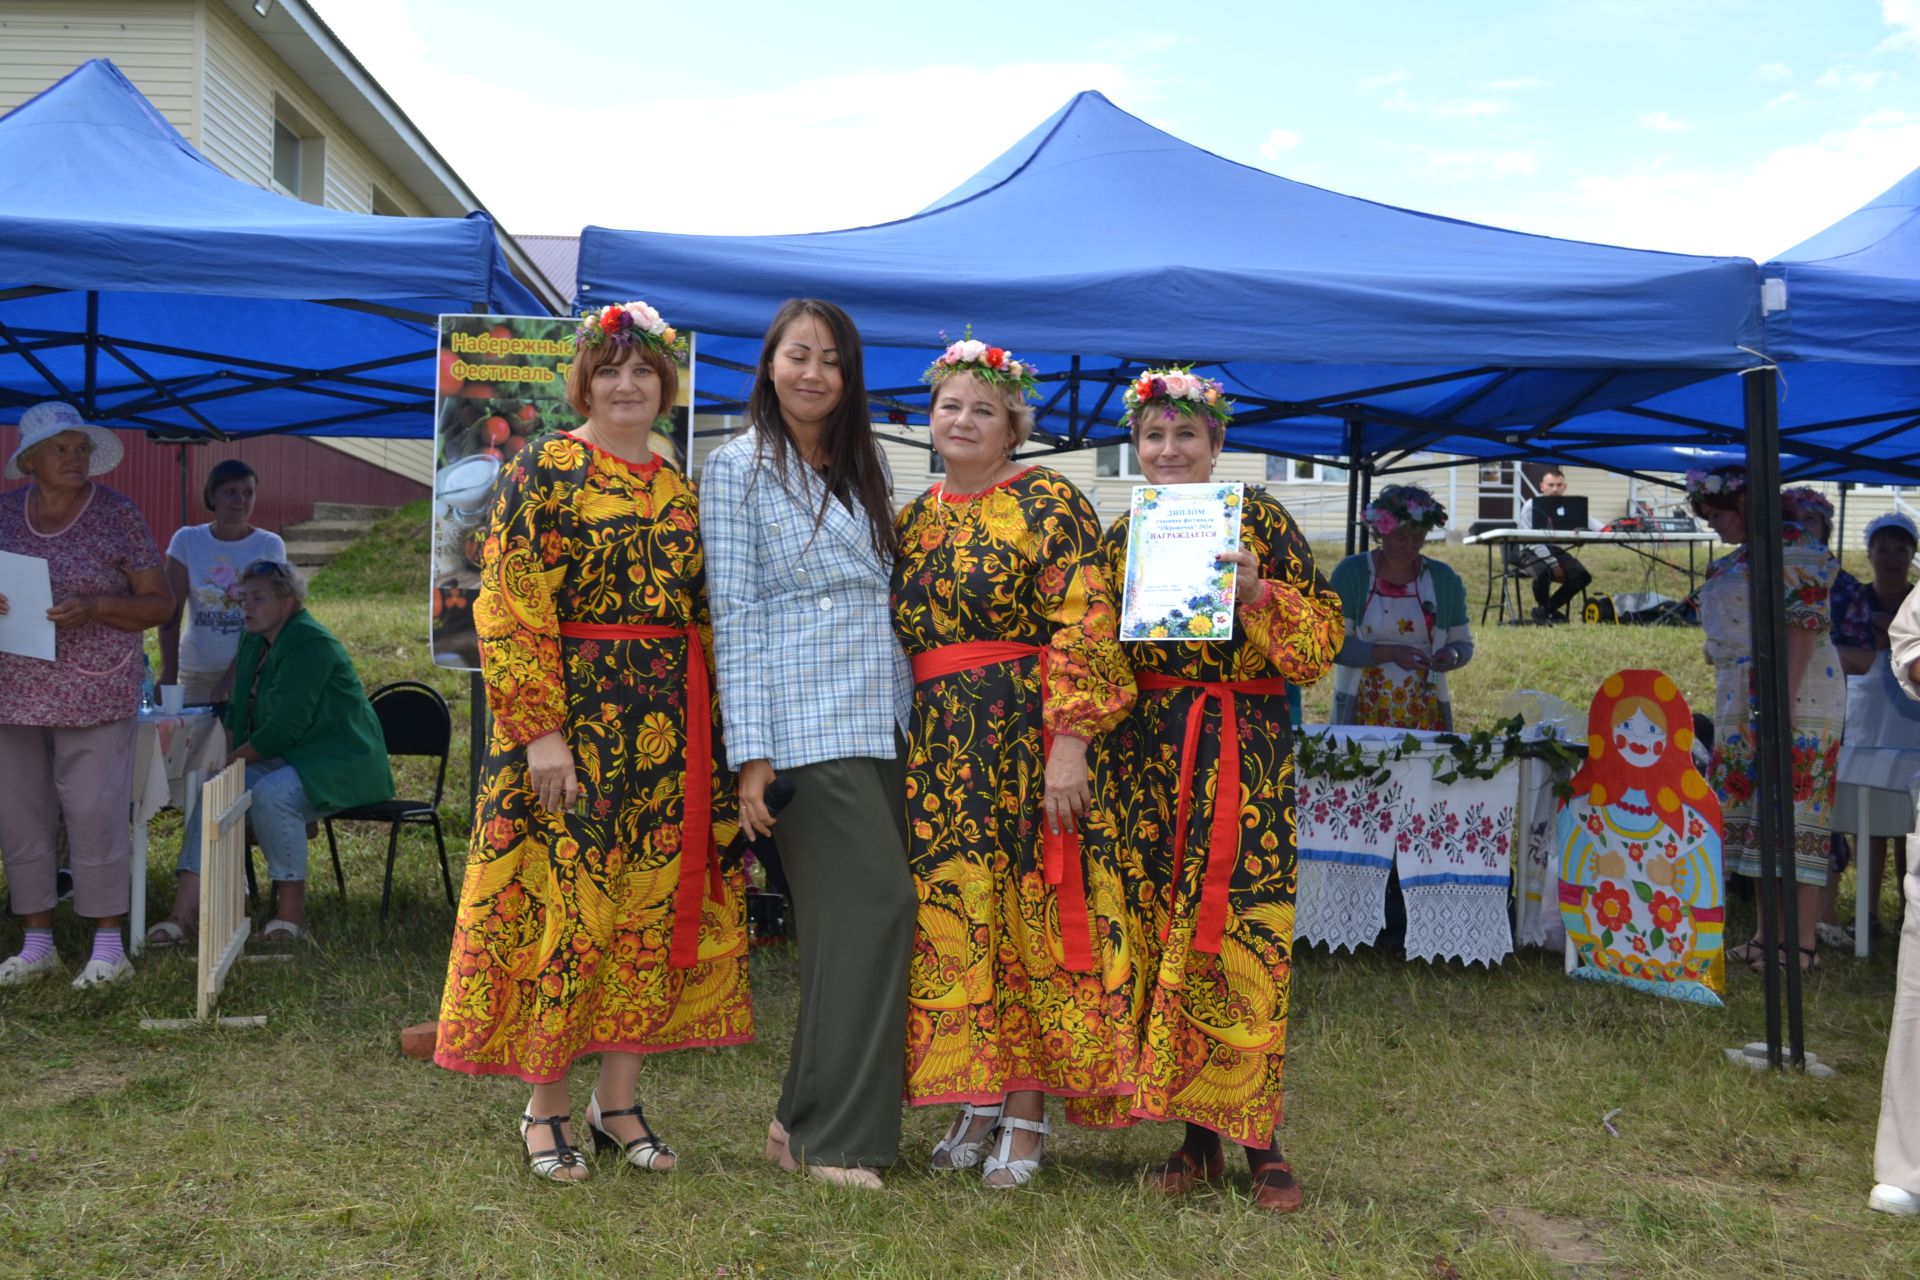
1101	237
154	291
1843	320
1853	290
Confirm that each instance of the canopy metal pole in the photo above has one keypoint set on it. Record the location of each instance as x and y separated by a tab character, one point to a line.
1353	486
1362	530
1773	723
1074	433
1839	538
92	394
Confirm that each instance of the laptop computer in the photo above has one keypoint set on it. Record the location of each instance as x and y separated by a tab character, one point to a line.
1565	514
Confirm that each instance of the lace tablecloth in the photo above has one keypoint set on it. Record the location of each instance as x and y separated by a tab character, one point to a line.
1452	843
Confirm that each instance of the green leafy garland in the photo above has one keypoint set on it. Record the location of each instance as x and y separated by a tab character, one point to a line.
1480	754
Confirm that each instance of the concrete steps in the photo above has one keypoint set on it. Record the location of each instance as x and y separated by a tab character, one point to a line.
312	544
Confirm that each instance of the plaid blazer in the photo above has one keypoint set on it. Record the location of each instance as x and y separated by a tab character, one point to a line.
803	641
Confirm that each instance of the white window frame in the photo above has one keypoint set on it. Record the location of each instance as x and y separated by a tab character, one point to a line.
311	161
1128	466
1320	474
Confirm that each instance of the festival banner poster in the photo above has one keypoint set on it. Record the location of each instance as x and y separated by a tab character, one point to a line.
502	388
1176	587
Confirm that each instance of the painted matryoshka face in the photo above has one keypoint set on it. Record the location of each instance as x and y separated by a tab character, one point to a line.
1639	740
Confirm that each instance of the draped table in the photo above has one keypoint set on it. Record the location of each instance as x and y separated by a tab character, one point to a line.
1451	842
172	751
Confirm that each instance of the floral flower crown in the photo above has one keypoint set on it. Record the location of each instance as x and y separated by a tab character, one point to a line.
1800	502
1399	504
992	365
628	323
1178	389
1716	482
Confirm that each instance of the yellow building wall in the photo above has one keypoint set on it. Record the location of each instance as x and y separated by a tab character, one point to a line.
154	43
242	78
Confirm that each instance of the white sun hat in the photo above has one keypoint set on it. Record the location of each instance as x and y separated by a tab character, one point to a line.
47	420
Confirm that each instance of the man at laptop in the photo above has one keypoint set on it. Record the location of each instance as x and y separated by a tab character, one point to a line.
1557	576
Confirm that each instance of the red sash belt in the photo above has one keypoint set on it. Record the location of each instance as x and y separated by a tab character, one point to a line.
699	858
1061	862
1223	849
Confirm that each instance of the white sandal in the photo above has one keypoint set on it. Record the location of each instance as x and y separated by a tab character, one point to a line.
960	1153
168	933
1020	1171
644	1152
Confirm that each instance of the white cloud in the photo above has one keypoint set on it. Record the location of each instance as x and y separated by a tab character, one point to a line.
1518	84
795	157
1466	164
1791	98
1137	43
1864	81
1773	71
1903	16
1278	143
1881	118
1662	122
1782	199
1373	84
1451	109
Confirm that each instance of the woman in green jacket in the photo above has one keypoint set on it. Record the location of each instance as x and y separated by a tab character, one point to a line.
301	722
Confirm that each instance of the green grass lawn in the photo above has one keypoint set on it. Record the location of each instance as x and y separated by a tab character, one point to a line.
1445	1122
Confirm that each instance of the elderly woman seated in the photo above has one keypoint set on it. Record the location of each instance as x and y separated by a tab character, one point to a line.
301	722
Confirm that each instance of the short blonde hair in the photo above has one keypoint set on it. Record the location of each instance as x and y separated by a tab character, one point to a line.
1019	411
284	578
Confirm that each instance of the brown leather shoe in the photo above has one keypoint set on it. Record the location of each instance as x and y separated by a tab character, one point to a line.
1182	1173
1276	1189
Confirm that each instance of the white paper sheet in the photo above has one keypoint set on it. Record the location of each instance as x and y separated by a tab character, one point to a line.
24	628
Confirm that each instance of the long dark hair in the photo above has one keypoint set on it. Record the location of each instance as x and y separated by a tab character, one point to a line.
856	472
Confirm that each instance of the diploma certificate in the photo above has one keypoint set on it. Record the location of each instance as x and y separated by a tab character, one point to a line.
1176	587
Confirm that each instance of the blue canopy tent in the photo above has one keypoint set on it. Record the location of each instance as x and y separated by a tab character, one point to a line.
1843	321
157	293
1347	329
1344	327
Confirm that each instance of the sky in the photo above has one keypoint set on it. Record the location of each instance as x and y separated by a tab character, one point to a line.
1698	126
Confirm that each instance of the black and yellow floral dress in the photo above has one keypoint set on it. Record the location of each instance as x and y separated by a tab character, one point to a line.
612	928
1012	983
1212	897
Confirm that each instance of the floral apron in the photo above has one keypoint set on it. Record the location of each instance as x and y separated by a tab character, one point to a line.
1396	696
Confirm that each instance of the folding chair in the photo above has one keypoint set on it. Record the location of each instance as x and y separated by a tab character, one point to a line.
415	721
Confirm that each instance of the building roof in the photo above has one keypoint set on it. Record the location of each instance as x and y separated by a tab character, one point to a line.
558	258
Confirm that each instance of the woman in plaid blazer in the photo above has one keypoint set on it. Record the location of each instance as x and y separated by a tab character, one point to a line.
797	517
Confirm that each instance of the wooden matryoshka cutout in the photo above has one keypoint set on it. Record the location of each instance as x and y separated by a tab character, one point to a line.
1639	840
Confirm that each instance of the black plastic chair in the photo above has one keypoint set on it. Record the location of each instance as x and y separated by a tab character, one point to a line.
415	721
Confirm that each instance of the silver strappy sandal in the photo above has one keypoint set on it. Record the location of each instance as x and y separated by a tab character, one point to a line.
962	1153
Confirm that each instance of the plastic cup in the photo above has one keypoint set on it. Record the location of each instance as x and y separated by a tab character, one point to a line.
173	698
